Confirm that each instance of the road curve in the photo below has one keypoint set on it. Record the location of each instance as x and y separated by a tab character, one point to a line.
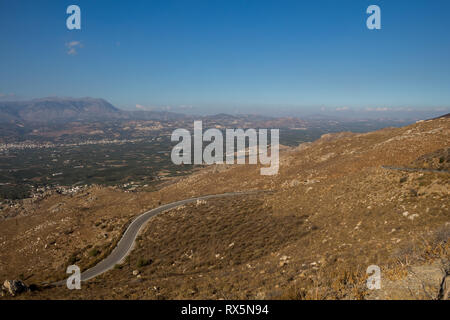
126	243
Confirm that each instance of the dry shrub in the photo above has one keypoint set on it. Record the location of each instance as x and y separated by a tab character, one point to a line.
337	282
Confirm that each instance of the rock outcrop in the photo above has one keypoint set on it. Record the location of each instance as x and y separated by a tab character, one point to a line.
14	287
424	282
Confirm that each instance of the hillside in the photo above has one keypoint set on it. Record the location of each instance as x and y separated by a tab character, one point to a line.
333	210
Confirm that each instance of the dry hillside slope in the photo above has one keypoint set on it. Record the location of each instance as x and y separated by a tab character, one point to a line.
333	211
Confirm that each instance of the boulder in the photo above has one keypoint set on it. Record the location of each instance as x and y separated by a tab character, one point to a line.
423	282
14	287
445	288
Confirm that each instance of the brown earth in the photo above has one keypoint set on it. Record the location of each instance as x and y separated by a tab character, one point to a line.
332	212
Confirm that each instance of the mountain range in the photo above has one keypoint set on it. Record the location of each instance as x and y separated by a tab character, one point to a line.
55	109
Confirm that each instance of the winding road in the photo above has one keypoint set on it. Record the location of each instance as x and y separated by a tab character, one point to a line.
126	243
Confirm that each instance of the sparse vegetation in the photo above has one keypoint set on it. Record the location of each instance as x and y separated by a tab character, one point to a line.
94	252
72	259
332	211
143	262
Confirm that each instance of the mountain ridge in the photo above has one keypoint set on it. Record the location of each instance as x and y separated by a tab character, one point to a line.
55	109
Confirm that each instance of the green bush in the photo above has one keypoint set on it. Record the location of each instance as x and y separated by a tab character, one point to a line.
94	252
72	259
143	262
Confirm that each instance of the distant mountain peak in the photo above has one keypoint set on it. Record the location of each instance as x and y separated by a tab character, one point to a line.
66	109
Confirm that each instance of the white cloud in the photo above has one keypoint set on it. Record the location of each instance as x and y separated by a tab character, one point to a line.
141	107
379	109
73	46
342	108
7	95
160	108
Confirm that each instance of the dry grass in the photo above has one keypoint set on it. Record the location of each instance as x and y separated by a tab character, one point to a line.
333	212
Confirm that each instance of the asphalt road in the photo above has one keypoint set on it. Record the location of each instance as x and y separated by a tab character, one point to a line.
126	243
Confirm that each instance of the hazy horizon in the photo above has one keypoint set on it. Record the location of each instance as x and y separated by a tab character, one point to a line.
401	113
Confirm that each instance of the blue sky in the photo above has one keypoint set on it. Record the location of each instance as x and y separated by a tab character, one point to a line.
272	57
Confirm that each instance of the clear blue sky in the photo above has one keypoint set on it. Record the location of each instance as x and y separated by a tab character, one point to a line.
230	55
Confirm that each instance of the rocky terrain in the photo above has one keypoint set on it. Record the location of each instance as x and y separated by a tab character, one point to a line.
336	207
